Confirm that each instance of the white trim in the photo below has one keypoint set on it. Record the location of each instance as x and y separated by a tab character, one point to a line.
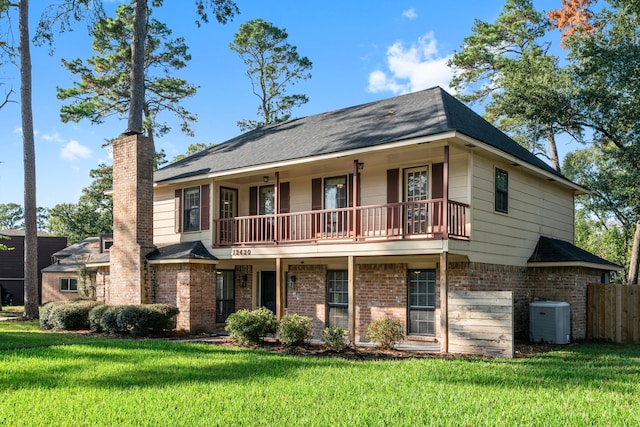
183	261
604	267
304	160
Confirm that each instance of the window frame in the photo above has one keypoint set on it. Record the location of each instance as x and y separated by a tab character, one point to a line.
187	210
429	307
68	281
334	276
501	195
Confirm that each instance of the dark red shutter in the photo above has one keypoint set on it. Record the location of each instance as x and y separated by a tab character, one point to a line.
393	196
316	194
285	203
253	200
350	190
204	206
178	211
437	192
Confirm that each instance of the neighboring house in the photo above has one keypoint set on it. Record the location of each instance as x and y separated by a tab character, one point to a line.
372	211
65	278
12	261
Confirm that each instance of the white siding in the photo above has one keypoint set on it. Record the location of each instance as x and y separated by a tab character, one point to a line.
536	207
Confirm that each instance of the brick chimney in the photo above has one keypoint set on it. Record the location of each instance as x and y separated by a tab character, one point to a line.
132	221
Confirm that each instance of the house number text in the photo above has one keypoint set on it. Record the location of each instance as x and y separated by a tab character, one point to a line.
241	252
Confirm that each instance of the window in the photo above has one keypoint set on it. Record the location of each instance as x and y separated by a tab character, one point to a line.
338	298
502	191
191	209
225	295
68	285
267	201
422	302
228	211
417	190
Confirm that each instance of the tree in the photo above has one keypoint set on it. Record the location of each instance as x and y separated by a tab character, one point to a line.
11	216
575	17
273	65
507	65
191	150
102	89
91	216
605	66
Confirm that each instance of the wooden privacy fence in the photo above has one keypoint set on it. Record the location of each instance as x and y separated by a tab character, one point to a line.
481	323
613	312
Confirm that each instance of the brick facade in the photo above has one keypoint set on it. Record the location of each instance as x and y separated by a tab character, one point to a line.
132	220
242	292
309	297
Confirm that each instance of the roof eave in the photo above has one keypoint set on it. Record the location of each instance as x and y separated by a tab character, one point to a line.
594	265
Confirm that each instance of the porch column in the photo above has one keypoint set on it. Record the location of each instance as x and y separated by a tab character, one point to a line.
276	210
445	194
280	289
352	297
354	216
444	301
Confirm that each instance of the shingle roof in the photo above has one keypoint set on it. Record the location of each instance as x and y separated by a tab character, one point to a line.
418	114
554	250
183	251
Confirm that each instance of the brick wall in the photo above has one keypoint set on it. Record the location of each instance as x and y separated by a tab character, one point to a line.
132	220
381	292
310	295
51	287
191	288
568	284
243	295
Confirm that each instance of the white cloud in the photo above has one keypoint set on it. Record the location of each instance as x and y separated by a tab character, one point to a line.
411	13
74	151
53	138
419	66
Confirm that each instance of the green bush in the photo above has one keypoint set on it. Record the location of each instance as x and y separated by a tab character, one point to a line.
143	320
95	317
109	320
294	329
251	326
67	315
334	338
386	332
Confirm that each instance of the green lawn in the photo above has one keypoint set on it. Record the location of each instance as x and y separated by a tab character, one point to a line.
57	379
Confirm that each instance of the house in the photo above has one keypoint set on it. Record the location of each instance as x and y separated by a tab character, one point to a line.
367	212
65	279
12	261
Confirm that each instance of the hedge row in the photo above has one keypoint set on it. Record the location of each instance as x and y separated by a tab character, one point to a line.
137	320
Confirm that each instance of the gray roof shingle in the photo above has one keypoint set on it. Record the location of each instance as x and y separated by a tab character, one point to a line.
418	114
554	250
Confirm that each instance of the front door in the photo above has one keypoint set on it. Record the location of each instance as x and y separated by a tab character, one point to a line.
225	291
416	190
268	290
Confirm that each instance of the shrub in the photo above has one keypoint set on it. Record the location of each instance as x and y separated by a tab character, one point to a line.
45	314
334	338
386	332
294	329
109	320
250	326
137	320
143	320
67	315
95	317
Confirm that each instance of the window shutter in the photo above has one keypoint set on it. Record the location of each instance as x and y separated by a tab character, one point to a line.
285	203
253	200
350	190
204	207
178	211
316	194
393	196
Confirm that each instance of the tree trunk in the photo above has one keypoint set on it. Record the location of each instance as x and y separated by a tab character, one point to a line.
552	149
31	291
632	277
136	80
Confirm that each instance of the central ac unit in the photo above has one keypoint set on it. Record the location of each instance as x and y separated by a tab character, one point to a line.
549	322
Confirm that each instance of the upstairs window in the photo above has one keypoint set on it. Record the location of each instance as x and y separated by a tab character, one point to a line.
502	191
191	209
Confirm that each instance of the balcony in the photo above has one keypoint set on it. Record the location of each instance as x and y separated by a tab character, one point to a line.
409	220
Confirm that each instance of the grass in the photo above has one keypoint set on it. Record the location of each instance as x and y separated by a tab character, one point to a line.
73	380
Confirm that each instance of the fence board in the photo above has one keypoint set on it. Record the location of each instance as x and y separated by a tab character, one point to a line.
481	323
613	312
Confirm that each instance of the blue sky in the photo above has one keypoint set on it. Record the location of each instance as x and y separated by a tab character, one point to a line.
361	52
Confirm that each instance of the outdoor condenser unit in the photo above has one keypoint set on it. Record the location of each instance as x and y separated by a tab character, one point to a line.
549	322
